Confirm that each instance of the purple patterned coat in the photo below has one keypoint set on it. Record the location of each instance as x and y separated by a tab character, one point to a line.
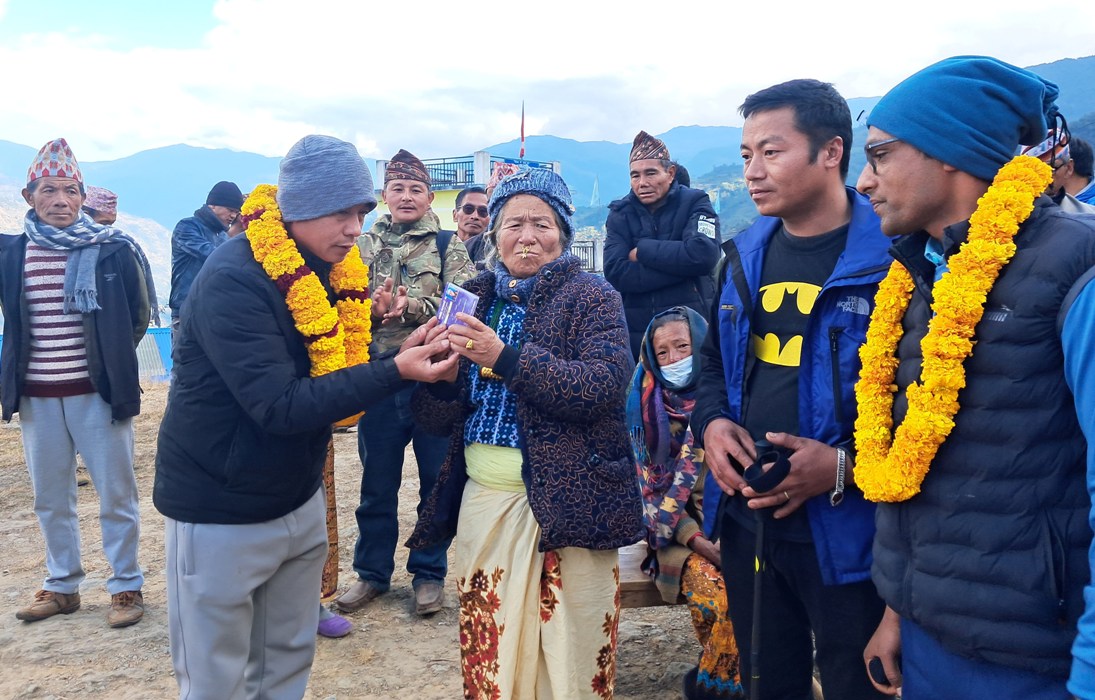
570	377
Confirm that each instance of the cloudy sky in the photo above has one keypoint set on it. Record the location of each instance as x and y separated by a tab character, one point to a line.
443	79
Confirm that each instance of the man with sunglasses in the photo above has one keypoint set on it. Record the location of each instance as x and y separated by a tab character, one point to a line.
1056	152
197	236
471	219
661	241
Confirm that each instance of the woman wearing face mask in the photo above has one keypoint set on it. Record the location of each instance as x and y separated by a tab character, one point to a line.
680	559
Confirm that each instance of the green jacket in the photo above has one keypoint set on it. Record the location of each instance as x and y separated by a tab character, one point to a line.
408	254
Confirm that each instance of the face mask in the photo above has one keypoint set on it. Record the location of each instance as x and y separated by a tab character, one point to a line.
677	373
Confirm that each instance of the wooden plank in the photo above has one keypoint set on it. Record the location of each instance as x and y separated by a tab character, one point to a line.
637	590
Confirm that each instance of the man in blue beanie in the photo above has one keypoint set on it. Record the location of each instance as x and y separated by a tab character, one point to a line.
982	533
242	444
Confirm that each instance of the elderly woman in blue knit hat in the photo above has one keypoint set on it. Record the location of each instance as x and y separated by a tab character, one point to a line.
978	356
239	470
538	486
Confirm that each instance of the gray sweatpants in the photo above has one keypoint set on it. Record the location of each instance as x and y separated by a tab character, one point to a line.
243	604
54	430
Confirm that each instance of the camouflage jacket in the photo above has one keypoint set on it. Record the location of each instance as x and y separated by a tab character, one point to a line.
408	254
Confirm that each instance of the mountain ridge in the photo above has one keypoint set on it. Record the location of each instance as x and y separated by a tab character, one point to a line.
159	186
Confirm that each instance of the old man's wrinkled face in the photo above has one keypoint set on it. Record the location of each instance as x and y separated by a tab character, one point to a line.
56	200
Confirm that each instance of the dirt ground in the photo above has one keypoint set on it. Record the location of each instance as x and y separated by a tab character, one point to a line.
390	654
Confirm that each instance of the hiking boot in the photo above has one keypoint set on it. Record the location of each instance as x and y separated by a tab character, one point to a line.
126	608
427	598
356	596
49	603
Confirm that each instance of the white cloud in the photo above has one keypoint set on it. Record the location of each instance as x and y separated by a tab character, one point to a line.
445	79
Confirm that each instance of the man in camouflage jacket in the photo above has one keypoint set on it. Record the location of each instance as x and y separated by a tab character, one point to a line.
402	246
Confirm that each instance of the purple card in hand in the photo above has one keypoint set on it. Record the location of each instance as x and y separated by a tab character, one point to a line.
456	299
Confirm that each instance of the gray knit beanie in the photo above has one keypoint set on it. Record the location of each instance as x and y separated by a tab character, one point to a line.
321	175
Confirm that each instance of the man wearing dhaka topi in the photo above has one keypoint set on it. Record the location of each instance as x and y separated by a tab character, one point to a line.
76	297
975	395
274	348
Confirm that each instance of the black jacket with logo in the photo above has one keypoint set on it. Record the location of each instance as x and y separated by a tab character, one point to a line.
677	249
991	557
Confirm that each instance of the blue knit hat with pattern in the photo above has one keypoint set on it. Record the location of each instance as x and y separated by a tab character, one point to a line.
970	112
539	182
321	175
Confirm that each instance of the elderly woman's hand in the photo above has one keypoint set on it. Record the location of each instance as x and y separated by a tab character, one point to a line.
476	341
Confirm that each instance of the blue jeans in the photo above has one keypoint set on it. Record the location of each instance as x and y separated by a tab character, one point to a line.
382	437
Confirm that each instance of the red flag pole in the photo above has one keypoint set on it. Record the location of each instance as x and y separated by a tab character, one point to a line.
522	154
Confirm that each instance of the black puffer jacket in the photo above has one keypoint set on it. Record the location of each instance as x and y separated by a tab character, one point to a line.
245	433
677	248
990	558
111	334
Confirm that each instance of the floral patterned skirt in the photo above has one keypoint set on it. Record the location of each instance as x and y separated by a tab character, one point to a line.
532	624
705	594
329	583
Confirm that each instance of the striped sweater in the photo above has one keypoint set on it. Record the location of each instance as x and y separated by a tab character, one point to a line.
57	357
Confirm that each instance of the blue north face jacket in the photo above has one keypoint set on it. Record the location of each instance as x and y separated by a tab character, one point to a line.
837	327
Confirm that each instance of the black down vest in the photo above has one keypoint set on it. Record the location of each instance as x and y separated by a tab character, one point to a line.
990	558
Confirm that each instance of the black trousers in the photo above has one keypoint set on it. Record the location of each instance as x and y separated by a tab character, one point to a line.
794	603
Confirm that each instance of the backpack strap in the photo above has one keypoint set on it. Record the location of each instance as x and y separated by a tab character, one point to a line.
442	240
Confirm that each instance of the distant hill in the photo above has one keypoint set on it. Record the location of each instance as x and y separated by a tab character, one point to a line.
1075	78
154	239
163	184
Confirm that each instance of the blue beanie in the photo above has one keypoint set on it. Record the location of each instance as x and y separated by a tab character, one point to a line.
970	112
539	182
321	175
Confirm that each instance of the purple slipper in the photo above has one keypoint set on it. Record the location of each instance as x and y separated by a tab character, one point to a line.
334	627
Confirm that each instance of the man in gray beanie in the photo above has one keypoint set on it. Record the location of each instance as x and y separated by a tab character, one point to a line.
243	440
982	535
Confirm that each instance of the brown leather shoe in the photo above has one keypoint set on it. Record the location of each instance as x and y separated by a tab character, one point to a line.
126	608
356	596
427	598
49	603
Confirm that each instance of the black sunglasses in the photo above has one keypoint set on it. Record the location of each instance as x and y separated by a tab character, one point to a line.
470	209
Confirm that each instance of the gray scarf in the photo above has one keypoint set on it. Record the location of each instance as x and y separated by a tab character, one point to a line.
82	240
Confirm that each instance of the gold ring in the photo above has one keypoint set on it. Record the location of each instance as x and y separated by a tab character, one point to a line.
787	496
470	344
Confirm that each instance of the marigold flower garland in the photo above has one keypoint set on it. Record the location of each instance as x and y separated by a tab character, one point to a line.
891	465
336	337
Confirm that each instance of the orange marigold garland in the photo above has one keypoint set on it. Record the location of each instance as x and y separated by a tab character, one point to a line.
336	337
891	465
